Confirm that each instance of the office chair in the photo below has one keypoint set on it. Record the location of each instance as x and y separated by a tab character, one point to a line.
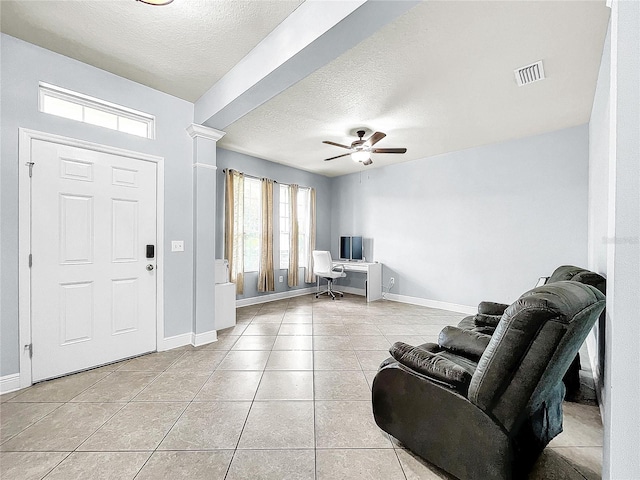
323	267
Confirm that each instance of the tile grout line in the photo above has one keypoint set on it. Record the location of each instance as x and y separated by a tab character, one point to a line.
313	370
131	401
235	450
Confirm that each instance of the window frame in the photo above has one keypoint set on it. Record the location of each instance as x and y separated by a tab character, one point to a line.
86	101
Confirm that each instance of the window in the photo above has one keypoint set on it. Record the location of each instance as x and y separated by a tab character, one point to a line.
252	217
303	224
284	226
76	106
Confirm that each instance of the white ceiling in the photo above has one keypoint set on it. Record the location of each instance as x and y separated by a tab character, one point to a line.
182	48
437	79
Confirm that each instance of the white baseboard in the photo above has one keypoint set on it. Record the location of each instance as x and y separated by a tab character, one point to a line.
10	383
175	341
199	339
455	307
245	302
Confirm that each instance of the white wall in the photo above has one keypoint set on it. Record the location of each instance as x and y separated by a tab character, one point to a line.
23	66
622	375
599	165
479	224
599	145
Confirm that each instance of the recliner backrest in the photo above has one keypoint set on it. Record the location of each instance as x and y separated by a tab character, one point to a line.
531	349
578	274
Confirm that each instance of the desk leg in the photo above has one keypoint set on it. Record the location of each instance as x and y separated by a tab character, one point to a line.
374	281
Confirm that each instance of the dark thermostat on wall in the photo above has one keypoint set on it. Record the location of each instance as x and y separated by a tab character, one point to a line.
150	251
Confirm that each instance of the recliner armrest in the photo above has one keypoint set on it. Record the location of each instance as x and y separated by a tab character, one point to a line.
492	308
466	343
485	320
432	365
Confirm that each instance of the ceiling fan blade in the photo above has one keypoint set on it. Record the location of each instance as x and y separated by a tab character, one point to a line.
333	158
389	150
375	138
336	144
367	162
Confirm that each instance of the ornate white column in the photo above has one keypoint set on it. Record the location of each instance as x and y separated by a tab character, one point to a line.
204	230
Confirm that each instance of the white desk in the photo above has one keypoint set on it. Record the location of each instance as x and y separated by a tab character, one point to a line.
373	283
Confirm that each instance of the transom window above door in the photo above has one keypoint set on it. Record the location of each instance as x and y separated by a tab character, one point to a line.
83	108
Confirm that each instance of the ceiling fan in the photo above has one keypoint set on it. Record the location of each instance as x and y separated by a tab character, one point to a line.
361	150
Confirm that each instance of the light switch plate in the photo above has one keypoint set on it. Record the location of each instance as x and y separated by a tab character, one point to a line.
177	245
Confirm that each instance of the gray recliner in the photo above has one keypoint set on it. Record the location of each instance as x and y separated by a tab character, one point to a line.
489	314
491	417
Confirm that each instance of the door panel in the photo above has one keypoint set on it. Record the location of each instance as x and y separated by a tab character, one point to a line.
76	312
93	300
124	230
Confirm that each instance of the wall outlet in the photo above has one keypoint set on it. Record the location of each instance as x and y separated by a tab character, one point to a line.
177	245
392	282
281	278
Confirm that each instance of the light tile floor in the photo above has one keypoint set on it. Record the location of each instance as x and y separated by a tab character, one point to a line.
284	394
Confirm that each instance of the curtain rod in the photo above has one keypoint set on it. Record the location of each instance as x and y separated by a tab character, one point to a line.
224	170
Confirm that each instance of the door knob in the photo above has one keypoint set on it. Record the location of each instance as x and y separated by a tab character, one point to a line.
149	267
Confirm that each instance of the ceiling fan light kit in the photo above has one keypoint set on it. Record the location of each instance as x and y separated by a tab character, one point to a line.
360	156
361	150
156	2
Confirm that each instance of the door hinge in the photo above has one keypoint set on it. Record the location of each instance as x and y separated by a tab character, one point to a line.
30	165
30	260
30	348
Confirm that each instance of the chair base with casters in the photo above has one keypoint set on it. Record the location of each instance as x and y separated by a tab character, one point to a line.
329	291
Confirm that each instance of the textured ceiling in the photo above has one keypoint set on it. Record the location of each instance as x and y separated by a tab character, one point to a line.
181	49
438	79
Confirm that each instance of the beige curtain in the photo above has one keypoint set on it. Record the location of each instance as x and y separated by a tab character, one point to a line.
266	276
309	276
234	227
293	236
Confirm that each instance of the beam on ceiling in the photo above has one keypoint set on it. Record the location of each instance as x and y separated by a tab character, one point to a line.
317	32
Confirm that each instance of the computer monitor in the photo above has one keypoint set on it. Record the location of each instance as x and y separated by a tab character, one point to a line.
356	248
351	248
345	248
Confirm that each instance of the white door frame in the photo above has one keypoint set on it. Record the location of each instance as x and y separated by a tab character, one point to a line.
26	136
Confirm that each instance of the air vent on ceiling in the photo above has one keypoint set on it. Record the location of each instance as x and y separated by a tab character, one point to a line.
529	74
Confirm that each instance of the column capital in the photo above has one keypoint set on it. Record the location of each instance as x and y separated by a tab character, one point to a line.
194	130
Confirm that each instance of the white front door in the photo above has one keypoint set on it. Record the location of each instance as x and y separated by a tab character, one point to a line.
93	291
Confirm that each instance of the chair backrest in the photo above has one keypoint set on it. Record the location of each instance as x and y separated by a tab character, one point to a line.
322	262
531	349
577	274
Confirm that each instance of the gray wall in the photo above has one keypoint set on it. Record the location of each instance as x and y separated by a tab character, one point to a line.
478	224
263	168
23	66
